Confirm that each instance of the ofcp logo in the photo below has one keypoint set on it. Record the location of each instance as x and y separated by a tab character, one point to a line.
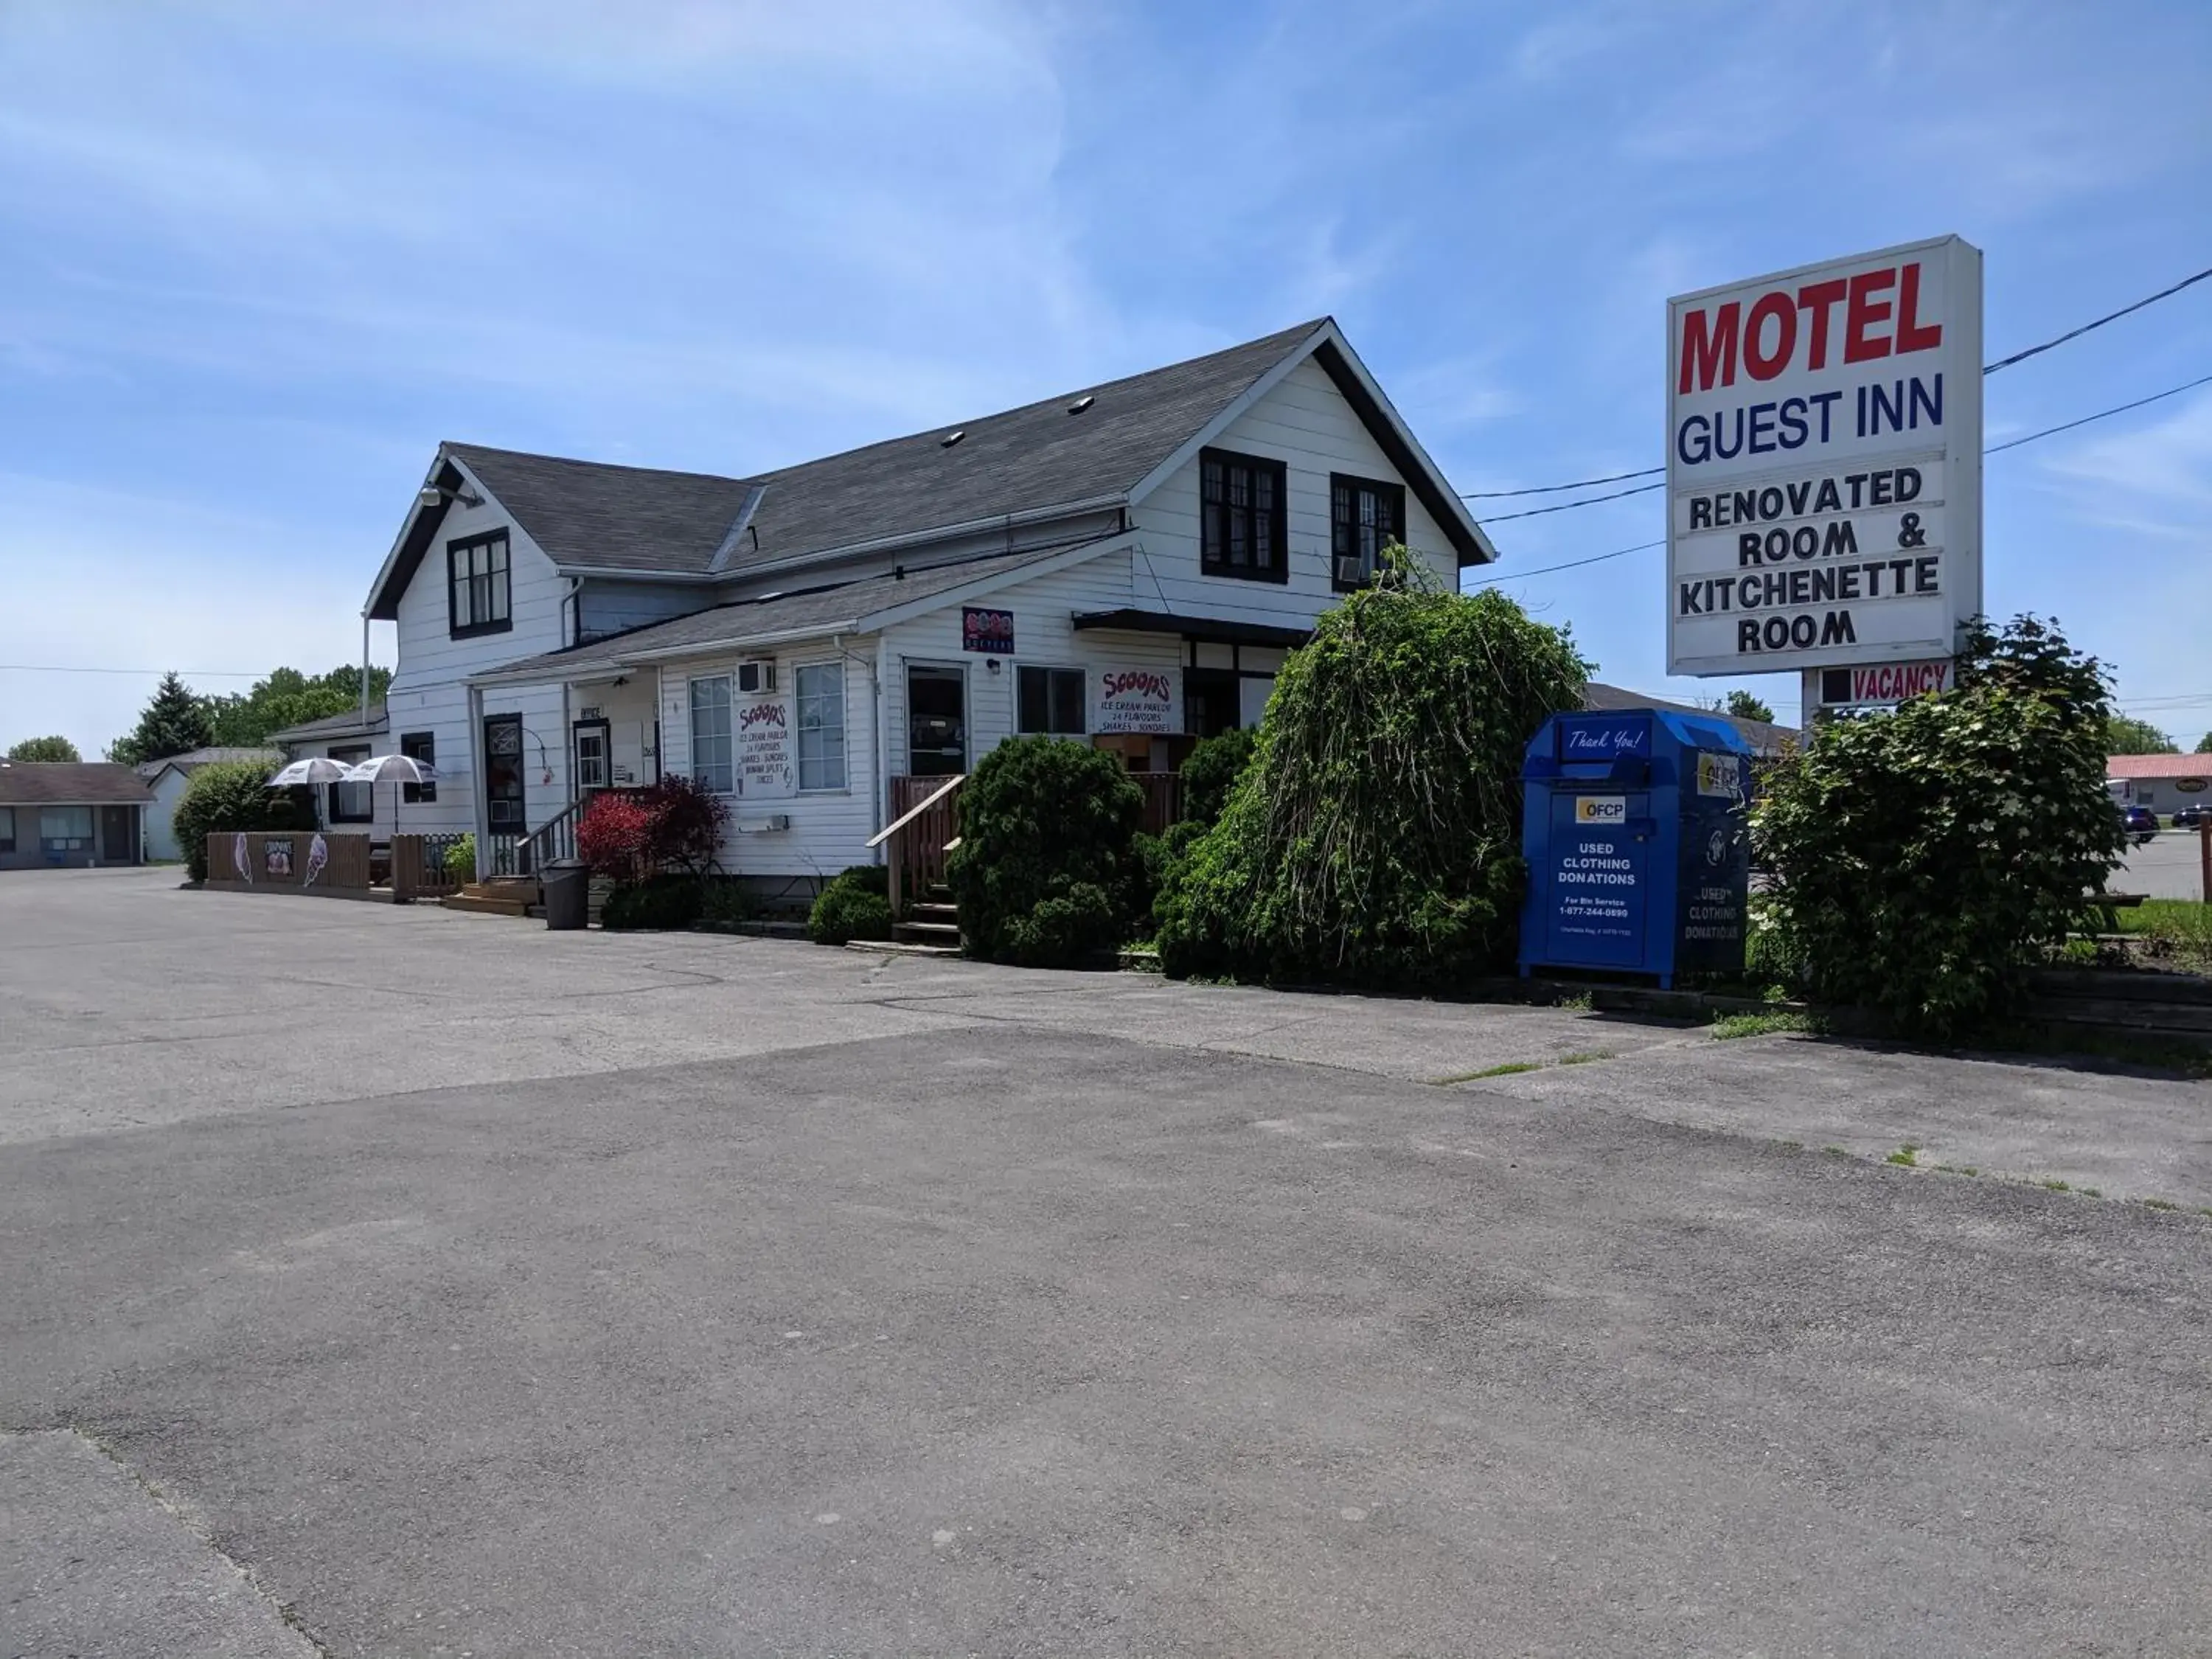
1601	809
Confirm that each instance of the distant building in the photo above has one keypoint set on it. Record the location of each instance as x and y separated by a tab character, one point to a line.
69	812
2162	782
166	778
1765	739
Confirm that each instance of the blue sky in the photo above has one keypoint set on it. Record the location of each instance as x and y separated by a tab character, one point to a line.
256	260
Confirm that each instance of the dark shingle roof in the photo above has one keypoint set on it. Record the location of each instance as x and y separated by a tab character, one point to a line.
71	783
1038	456
1765	739
333	725
828	610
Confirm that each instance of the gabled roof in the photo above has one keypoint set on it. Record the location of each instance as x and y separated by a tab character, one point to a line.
71	783
1043	457
854	606
192	760
348	725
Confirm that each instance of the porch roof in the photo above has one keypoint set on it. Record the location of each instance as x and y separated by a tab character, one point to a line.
1206	629
855	607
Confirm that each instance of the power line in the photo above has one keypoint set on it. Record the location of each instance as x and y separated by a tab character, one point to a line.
1545	570
1587	500
2117	409
2111	317
182	673
1987	369
1547	489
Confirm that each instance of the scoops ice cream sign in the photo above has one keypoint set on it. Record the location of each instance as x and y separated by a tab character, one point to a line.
1136	700
1824	463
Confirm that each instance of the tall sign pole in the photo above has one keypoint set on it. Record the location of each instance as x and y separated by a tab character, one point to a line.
1824	466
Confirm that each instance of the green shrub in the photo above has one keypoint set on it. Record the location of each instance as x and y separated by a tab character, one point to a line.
1211	771
1375	839
856	904
725	900
225	797
461	859
661	903
1924	859
1046	871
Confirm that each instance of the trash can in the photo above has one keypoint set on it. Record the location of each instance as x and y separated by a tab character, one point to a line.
567	884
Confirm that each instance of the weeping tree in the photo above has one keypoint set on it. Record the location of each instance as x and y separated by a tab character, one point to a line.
1375	839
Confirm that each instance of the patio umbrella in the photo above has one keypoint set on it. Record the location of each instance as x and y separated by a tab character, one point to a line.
391	768
316	769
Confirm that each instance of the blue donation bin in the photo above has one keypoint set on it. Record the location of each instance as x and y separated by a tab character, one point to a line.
1634	825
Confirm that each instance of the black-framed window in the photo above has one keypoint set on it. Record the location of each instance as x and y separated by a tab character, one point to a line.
479	596
6	829
1242	522
352	803
1364	516
1050	700
419	746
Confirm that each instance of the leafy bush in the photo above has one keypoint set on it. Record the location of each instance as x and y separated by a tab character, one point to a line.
675	826
670	902
225	797
1925	859
1211	771
461	859
856	904
725	900
1047	866
613	836
1376	837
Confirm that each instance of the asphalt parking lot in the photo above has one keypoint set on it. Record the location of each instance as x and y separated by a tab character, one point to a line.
2172	866
396	1282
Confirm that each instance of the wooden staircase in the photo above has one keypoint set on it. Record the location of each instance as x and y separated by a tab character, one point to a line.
933	924
495	896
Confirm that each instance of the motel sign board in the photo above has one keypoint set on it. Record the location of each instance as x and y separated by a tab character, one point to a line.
1824	463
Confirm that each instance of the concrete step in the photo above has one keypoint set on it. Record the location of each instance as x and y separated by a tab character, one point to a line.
901	947
927	932
477	905
934	912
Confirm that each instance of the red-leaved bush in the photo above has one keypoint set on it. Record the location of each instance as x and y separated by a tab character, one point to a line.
674	826
614	837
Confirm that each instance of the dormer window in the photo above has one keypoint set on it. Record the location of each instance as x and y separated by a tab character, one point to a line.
478	598
1242	517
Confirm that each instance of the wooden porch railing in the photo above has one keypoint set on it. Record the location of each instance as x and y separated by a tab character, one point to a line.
1163	799
418	866
925	826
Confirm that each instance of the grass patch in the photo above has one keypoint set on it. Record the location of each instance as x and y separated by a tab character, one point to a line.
1835	1151
1511	1068
2160	1203
1746	1025
1955	1169
2056	1186
1581	1058
1906	1157
2089	1192
1579	1004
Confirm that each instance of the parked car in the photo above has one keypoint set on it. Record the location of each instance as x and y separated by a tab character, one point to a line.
2142	824
2191	816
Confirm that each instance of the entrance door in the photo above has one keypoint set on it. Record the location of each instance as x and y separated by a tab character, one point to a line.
119	835
502	740
594	759
936	722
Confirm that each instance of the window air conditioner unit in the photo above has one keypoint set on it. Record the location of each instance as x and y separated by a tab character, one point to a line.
756	675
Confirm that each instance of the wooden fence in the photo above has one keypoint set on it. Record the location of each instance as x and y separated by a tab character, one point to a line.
419	869
299	860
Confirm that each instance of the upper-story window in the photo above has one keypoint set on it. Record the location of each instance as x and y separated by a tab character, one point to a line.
1365	517
479	596
1241	517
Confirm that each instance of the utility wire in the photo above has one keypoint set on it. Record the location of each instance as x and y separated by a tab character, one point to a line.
1563	507
182	673
1545	570
2117	409
2112	317
1987	368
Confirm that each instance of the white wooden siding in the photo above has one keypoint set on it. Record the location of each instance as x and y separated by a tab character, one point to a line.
428	654
830	827
1305	423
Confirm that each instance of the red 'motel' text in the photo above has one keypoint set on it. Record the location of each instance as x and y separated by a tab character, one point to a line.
1873	314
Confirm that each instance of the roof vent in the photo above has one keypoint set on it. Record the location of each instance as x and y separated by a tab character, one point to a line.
947	442
1081	402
